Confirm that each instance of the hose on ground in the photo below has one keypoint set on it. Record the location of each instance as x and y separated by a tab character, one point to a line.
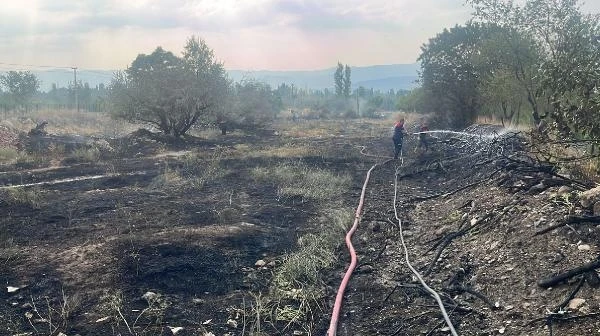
413	270
340	294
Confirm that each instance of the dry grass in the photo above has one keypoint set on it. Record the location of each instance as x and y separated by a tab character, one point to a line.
285	151
86	154
297	291
167	178
199	169
296	179
24	196
65	122
316	252
8	155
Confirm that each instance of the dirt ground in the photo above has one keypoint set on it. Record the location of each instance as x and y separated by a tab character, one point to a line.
127	244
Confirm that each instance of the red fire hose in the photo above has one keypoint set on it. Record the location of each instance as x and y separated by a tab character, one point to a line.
340	294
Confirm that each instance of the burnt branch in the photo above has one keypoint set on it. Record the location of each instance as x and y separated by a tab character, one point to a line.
555	280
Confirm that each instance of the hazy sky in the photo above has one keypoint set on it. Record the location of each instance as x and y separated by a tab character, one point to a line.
245	34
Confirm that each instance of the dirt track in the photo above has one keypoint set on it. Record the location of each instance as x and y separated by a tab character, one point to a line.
105	242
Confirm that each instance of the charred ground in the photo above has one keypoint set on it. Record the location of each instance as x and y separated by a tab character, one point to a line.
152	236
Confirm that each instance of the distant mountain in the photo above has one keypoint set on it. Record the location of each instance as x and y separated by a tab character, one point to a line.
378	77
385	84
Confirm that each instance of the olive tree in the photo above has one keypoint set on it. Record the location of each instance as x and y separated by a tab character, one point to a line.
565	71
169	92
255	104
451	80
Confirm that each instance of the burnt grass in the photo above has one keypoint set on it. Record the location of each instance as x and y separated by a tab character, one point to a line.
86	253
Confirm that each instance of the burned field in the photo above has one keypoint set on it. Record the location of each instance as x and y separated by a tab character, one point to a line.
243	235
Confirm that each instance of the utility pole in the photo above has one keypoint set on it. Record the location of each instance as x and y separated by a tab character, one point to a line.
75	88
357	104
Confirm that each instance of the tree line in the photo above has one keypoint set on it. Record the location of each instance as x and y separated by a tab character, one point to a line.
173	93
20	90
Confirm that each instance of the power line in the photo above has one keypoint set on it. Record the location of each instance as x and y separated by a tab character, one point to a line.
22	67
25	69
36	66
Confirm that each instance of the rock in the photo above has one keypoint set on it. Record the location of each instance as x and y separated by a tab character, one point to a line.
103	319
175	330
260	263
564	190
575	304
150	297
366	269
376	227
232	323
12	289
584	247
501	330
539	222
537	188
518	184
494	245
589	197
441	230
61	334
272	264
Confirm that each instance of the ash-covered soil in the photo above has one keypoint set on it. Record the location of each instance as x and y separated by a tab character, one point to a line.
477	218
86	255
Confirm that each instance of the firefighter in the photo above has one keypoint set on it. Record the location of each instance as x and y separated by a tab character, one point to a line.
398	137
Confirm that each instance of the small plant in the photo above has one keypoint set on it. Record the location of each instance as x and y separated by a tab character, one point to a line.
8	155
168	177
142	323
23	196
30	160
56	317
9	251
56	151
198	171
86	154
